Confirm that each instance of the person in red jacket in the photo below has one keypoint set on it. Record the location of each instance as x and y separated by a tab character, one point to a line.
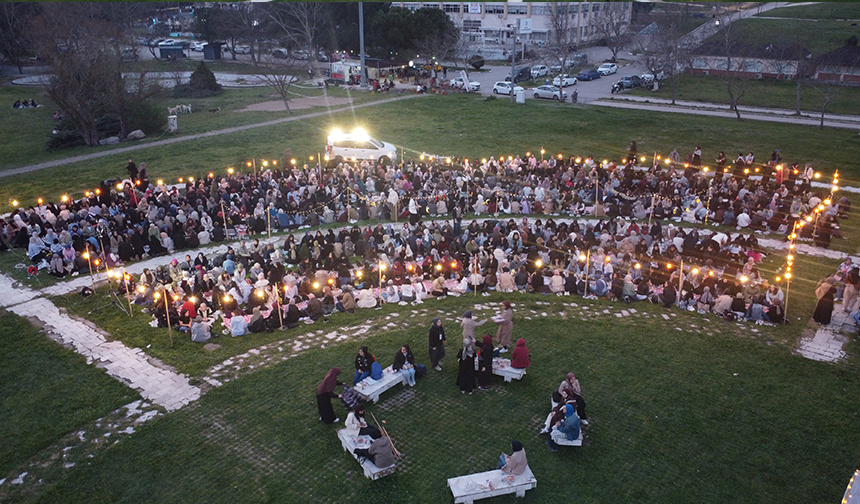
520	357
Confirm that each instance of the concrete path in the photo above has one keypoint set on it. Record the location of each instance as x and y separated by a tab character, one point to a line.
720	110
132	366
167	141
826	344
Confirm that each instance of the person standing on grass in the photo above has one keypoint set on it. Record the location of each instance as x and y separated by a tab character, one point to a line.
325	393
466	367
437	343
506	326
468	323
485	363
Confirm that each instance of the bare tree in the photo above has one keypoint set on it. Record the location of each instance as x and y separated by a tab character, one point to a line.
662	48
829	76
562	34
612	23
280	73
737	67
299	23
14	19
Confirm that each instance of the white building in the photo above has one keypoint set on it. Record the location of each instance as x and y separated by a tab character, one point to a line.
487	23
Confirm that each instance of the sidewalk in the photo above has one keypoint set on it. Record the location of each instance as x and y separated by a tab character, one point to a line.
723	110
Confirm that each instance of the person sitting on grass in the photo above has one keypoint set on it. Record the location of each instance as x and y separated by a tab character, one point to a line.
200	330
520	357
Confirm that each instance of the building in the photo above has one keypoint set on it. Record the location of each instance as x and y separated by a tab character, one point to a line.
774	61
572	24
840	65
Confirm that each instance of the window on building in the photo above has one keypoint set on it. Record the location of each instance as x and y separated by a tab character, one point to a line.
541	10
700	63
471	25
595	8
494	8
585	7
451	7
413	6
518	9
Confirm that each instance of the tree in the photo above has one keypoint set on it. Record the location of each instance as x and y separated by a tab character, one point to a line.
279	73
661	45
612	23
562	34
829	79
435	36
15	17
83	44
299	23
736	67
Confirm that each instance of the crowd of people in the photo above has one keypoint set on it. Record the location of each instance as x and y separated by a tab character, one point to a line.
519	246
31	103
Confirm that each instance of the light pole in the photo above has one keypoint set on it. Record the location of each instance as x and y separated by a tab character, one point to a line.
361	42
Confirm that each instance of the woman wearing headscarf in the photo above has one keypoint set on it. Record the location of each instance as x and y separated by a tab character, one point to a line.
515	463
520	357
506	326
466	367
570	386
468	323
824	309
569	428
485	363
437	343
325	393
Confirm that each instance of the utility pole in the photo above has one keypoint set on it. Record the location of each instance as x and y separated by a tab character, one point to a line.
361	42
513	61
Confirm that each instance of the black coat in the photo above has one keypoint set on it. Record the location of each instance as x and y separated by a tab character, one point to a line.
400	359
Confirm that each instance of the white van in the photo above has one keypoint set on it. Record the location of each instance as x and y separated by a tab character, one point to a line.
358	146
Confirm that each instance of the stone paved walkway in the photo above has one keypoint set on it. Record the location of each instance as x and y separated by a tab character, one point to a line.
132	366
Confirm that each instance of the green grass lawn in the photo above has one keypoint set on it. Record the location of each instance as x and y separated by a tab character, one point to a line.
818	10
27	130
676	416
767	93
46	391
819	37
467	126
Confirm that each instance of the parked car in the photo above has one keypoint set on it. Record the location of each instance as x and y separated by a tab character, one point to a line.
359	146
504	87
242	49
564	80
631	81
168	42
550	93
572	61
322	58
648	78
457	83
588	75
607	68
280	53
196	46
520	75
539	71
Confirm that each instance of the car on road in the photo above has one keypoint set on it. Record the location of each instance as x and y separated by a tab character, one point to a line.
539	71
196	46
550	93
168	42
457	83
571	61
521	74
607	68
631	81
588	75
242	49
648	78
280	53
564	80
504	87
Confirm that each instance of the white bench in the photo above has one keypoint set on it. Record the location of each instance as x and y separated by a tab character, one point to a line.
560	439
350	443
502	367
370	389
476	486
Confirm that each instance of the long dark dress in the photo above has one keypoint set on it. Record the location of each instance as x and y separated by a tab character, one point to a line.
824	308
325	407
465	372
486	356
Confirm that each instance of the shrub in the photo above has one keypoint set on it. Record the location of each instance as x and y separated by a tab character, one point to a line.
146	116
202	79
476	61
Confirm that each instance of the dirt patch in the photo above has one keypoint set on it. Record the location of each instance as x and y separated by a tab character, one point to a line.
296	104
